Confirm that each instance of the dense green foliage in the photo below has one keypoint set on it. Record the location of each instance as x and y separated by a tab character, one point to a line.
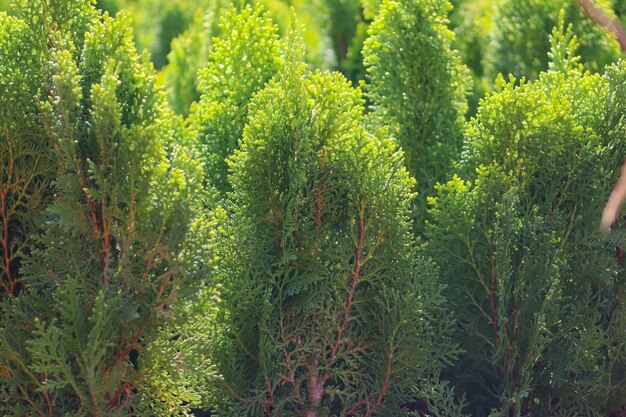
104	269
521	43
534	285
417	87
328	307
242	60
26	157
241	232
189	54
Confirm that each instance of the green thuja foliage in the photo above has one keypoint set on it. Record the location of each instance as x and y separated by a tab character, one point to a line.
189	54
328	308
27	163
534	285
107	267
521	33
242	60
417	86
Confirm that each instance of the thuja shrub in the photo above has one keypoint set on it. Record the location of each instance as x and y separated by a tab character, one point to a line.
27	163
243	59
417	87
188	55
105	269
534	285
328	309
521	37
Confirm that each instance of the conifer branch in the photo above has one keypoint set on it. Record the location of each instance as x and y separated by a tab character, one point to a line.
615	201
134	343
237	396
9	284
318	207
290	379
363	402
269	406
385	387
124	388
353	284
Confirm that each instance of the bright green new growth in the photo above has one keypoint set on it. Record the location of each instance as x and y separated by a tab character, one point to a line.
189	54
105	269
328	309
26	158
521	38
417	86
529	277
243	59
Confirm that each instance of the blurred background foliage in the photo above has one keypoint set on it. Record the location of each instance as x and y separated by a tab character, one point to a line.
492	36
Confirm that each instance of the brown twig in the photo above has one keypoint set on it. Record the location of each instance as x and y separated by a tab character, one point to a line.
269	406
9	285
318	207
123	355
291	378
601	18
354	281
385	387
126	387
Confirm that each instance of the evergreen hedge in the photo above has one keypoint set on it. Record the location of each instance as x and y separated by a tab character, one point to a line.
260	257
328	307
417	87
100	277
242	60
520	37
535	287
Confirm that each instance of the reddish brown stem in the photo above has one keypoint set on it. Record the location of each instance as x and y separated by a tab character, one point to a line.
269	405
602	19
315	389
94	403
385	387
352	410
48	402
9	283
279	238
237	396
123	355
124	388
165	281
354	281
296	225
514	320
291	378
